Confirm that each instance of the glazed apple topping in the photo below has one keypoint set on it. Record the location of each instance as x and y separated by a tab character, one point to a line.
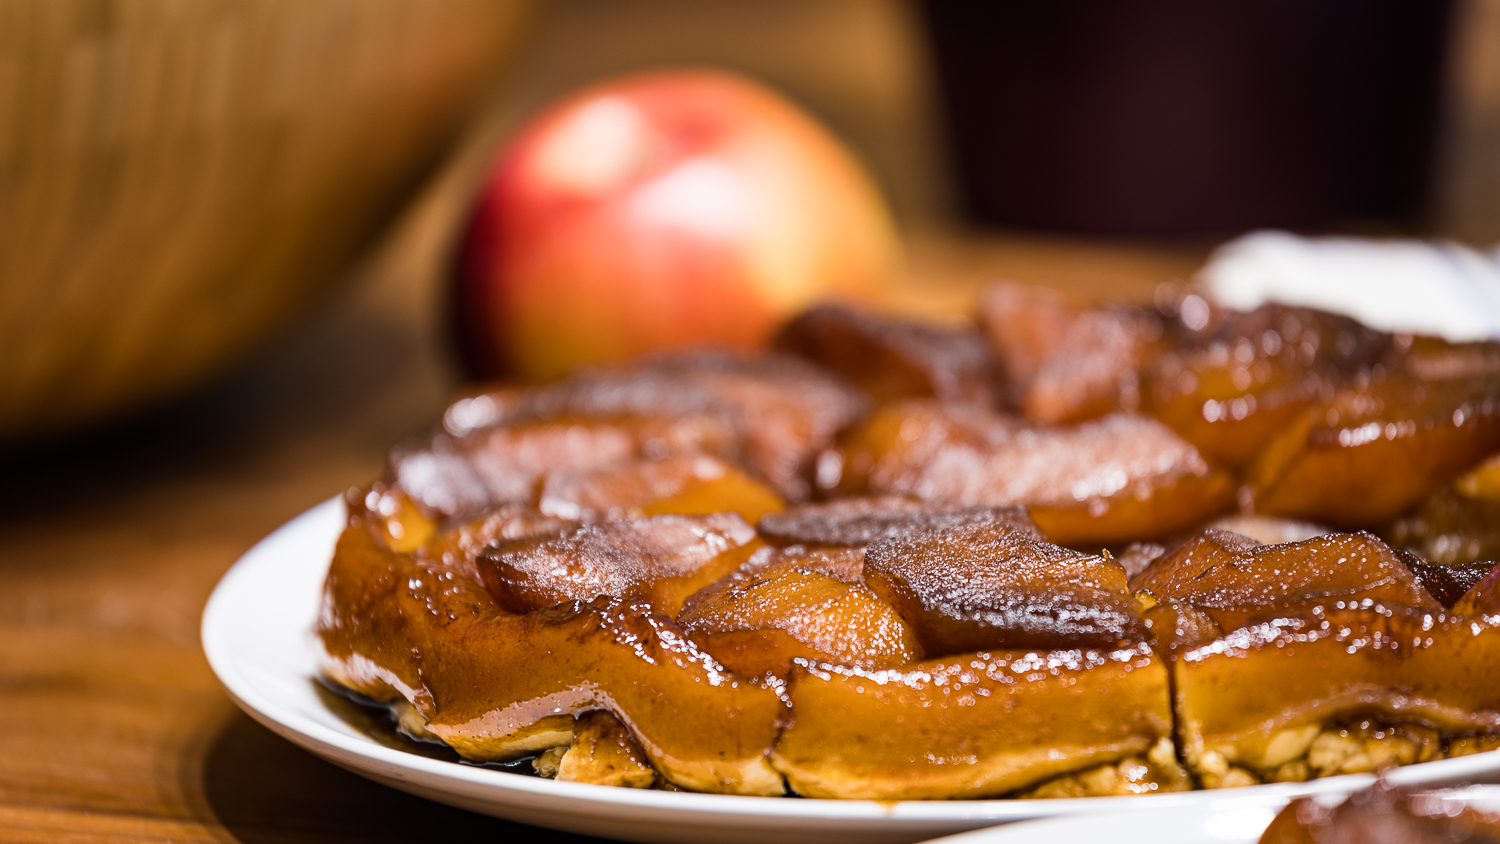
1449	584
858	521
988	586
1234	578
1253	373
498	686
890	358
975	725
787	409
1064	363
771	413
1376	448
458	549
1121	477
461	478
979	566
975	457
659	561
1459	523
689	484
1270	530
1482	599
799	604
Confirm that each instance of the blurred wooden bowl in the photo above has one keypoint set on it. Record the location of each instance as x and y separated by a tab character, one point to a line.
178	178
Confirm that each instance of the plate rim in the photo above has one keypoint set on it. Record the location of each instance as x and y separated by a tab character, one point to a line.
396	767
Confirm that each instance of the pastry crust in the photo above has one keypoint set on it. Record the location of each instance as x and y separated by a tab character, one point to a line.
1272	696
971	725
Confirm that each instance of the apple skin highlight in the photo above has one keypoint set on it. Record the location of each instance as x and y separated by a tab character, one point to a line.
660	211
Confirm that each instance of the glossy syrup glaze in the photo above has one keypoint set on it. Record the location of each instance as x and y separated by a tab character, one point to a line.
884	566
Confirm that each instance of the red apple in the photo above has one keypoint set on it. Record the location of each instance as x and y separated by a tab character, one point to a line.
659	211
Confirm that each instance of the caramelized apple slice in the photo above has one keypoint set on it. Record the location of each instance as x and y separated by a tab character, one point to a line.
891	358
1114	479
659	561
495	446
1449	528
1459	523
982	586
496	686
890	452
401	525
797	604
1256	704
770	412
1482	599
972	726
458	549
1157	507
687	485
846	565
1065	364
1383	814
777	410
460	478
1372	451
1027	326
857	521
788	409
1233	578
1228	393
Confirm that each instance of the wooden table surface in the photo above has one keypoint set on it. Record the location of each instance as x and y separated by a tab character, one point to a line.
112	726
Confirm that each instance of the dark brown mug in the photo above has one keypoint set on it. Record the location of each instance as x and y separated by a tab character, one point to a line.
1178	116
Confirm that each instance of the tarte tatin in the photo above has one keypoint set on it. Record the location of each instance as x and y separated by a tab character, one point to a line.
1387	814
1075	551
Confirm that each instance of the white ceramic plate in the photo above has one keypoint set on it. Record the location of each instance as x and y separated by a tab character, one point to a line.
1227	821
257	633
1232	820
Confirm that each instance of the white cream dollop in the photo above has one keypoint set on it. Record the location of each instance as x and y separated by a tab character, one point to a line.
1421	287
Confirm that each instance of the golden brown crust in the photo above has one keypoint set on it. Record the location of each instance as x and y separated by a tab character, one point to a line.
392	623
970	726
603	753
1258	696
